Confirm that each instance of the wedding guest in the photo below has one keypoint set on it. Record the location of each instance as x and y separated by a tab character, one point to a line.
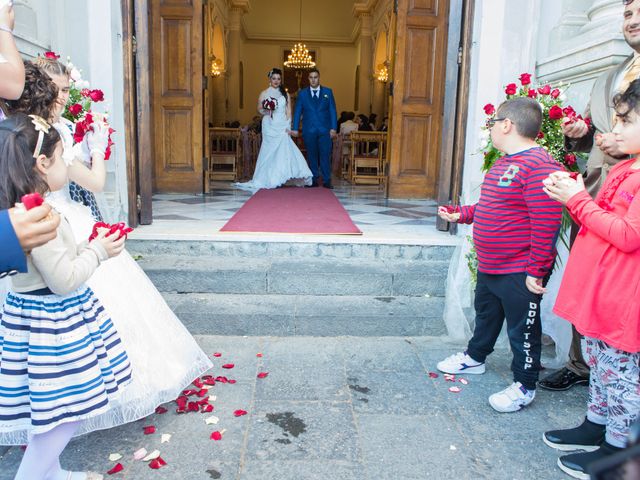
604	307
515	228
372	121
349	125
84	345
385	125
341	119
363	123
604	153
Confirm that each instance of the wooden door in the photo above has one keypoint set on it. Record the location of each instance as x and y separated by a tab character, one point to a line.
176	39
418	92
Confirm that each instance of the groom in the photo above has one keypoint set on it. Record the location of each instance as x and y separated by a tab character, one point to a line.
319	122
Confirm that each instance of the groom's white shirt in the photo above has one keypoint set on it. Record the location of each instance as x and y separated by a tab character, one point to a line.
314	90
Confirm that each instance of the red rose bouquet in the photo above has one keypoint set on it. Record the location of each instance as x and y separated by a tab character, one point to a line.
269	104
554	115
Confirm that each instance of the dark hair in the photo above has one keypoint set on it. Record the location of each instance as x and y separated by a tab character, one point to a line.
277	71
627	101
18	175
525	113
314	69
351	115
39	96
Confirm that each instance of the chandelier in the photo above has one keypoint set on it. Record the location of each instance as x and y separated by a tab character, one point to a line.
382	73
299	58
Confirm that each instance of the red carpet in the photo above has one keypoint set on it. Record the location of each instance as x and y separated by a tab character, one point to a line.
310	211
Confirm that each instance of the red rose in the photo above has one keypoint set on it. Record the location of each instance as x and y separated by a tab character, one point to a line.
85	92
511	89
51	55
555	113
540	135
555	93
489	109
75	109
96	95
525	79
532	93
546	90
570	159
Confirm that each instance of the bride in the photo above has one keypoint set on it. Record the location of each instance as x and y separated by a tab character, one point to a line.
279	160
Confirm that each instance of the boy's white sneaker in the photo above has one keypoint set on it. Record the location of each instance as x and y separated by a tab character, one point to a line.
460	363
512	398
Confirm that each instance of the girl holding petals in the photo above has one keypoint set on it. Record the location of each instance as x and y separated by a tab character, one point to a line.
63	363
600	295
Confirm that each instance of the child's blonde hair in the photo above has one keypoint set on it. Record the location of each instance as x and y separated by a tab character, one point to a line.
52	66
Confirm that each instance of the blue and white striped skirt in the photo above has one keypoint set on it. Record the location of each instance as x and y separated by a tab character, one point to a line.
61	360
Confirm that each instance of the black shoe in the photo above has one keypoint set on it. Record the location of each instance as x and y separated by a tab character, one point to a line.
577	464
329	186
561	380
588	437
313	184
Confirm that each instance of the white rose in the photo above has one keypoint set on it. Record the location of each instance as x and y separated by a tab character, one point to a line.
75	75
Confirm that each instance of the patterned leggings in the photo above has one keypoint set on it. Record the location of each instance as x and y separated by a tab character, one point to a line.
614	389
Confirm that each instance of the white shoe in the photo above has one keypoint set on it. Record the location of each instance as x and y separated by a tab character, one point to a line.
512	398
460	363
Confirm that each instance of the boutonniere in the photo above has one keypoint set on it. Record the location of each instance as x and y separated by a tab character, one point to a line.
326	96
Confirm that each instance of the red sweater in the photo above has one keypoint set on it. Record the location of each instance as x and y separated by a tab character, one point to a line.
600	290
515	222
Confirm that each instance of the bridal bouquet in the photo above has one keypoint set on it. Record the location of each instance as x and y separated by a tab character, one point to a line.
79	107
269	104
554	115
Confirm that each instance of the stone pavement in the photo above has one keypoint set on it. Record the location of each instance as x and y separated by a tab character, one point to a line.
341	408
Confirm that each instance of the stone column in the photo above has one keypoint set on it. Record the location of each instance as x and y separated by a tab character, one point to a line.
366	63
233	60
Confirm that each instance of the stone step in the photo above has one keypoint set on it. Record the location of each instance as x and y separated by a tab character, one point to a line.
308	315
295	276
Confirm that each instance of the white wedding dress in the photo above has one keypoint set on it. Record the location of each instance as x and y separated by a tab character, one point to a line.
164	357
279	160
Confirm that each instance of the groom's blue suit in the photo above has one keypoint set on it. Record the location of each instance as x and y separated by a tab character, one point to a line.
318	118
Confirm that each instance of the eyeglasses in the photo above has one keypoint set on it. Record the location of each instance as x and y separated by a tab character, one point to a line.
492	121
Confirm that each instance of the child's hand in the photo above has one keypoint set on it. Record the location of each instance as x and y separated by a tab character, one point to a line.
534	285
607	143
443	213
111	244
565	187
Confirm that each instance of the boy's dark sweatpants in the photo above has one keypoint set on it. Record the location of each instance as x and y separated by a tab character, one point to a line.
506	296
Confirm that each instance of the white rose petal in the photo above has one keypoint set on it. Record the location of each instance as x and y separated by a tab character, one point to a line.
114	457
165	437
152	456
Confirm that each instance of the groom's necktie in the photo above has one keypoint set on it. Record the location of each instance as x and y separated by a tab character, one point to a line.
315	95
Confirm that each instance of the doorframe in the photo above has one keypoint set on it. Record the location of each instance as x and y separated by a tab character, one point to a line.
456	99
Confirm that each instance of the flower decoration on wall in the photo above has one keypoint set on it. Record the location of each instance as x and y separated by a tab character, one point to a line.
554	115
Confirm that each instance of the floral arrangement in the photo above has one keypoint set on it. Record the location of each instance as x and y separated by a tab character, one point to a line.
554	115
269	104
79	109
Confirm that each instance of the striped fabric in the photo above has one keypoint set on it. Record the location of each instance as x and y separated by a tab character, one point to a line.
61	359
515	222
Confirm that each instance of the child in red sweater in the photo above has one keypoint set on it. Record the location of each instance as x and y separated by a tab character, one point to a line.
600	295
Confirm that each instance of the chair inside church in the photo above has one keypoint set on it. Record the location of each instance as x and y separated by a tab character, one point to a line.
368	158
225	154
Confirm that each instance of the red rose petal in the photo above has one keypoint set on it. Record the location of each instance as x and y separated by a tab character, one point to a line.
157	463
161	410
231	381
149	430
117	468
433	375
228	365
222	379
193	407
209	381
216	436
217	354
239	413
189	392
258	355
455	389
202	392
207	409
180	410
198	383
263	374
464	381
32	200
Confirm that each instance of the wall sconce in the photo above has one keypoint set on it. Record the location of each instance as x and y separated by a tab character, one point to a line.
382	72
216	65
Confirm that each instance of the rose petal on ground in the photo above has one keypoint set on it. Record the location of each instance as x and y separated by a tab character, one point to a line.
216	436
165	437
157	463
207	409
151	456
455	389
452	447
222	379
228	365
204	401
258	355
231	381
161	410
449	378
213	420
212	398
209	381
433	375
239	413
263	374
198	383
193	407
180	410
149	430
202	392
114	457
217	354
117	468
464	381
189	392
140	454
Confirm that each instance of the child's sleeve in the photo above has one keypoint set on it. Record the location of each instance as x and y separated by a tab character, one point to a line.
545	217
466	213
621	232
60	273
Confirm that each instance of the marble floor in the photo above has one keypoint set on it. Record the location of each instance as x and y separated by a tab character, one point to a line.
189	216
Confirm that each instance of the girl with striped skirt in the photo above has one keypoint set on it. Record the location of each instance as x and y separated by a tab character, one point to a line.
62	362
